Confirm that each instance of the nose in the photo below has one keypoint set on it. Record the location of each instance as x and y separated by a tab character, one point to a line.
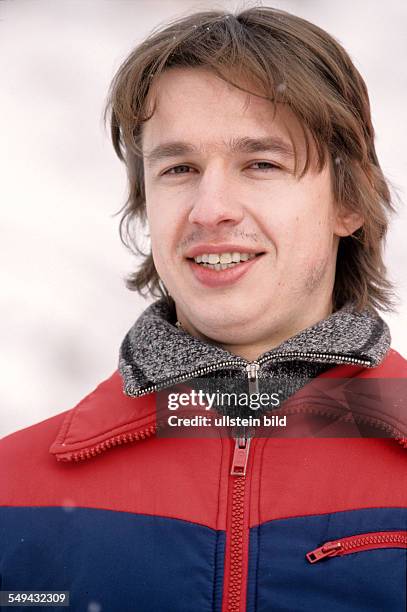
216	201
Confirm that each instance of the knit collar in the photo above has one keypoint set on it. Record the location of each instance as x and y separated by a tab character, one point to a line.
155	353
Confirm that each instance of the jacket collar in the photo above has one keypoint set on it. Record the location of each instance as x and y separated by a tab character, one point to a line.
103	419
155	352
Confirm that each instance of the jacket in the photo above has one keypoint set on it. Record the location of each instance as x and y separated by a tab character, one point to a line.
93	501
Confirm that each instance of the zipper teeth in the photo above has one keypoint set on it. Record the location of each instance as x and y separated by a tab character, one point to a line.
277	357
340	359
236	544
374	539
352	544
103	446
138	392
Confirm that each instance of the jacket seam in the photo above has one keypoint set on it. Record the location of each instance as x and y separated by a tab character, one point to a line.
287	518
163	516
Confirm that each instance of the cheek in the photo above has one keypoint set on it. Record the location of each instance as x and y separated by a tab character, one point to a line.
312	255
156	216
156	235
303	245
315	273
162	229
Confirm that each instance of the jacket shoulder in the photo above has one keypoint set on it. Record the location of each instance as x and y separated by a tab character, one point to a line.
25	440
26	462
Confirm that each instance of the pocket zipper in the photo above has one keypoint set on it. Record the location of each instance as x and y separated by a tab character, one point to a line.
358	543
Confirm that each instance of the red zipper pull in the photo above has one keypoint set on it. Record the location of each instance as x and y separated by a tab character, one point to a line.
329	549
240	457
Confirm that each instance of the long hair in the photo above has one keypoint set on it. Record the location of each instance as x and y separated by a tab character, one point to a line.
287	60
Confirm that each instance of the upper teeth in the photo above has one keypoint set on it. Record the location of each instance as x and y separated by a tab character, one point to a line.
223	258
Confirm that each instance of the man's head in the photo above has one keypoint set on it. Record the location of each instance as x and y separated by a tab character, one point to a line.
251	134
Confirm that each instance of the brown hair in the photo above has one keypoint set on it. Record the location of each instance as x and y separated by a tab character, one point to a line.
291	61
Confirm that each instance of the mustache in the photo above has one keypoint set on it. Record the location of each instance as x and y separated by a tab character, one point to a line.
199	236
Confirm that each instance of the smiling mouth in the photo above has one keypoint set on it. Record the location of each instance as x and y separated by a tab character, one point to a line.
222	261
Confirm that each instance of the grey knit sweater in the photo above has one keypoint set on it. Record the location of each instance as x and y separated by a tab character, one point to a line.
155	353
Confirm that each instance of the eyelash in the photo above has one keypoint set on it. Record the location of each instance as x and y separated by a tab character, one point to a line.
272	167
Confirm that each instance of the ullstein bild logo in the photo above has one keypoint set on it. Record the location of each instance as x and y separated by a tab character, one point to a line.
227	421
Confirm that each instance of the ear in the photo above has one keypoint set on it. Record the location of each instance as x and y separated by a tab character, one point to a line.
347	222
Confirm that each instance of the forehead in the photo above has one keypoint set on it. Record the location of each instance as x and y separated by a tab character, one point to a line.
196	106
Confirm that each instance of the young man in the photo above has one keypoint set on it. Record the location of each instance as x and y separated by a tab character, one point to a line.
250	153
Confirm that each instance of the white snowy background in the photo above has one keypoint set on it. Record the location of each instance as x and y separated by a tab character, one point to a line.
64	308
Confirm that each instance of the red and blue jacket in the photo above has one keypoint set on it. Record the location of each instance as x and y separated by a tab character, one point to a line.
94	503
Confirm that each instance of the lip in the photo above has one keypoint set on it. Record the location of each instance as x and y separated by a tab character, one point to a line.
224	247
221	278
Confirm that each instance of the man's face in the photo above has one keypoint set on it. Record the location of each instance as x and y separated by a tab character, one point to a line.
219	180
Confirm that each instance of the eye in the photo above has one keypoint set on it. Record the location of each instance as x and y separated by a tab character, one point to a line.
181	169
264	166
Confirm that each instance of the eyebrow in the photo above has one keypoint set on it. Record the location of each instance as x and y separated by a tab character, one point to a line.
273	144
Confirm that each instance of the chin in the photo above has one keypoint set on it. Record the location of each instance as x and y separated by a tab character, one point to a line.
219	323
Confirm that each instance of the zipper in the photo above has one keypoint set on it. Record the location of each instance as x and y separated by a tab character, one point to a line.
237	523
252	372
240	457
248	365
358	543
